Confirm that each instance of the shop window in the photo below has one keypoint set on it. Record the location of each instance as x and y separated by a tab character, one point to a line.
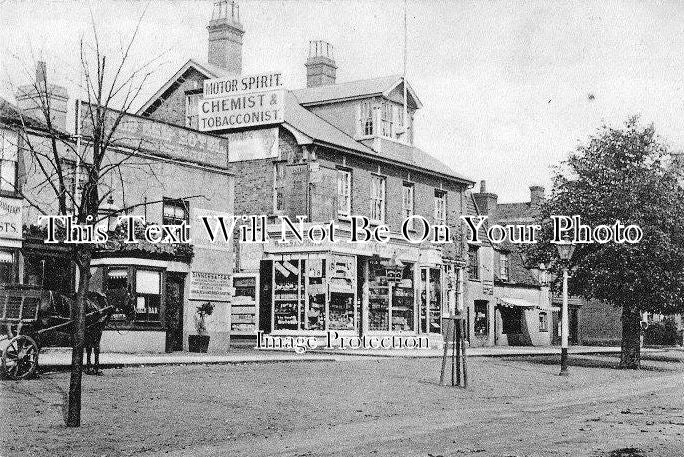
288	297
543	322
480	320
378	301
377	191
147	295
366	118
407	202
8	161
343	192
7	267
117	288
430	300
315	315
191	110
341	278
403	301
473	263
440	207
503	266
174	211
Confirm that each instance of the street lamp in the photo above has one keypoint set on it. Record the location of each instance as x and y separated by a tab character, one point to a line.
565	250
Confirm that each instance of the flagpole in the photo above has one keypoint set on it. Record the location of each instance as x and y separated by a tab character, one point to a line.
405	126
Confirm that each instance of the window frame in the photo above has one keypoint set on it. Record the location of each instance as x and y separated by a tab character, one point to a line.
177	202
504	266
405	211
473	266
11	156
366	121
375	199
190	118
346	193
440	204
278	186
543	321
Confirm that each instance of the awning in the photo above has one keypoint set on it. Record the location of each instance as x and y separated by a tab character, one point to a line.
517	302
522	303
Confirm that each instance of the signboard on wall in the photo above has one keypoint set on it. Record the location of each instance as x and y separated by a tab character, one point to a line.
210	286
10	218
220	87
242	110
252	145
159	138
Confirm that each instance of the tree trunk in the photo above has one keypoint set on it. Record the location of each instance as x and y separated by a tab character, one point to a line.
73	418
630	356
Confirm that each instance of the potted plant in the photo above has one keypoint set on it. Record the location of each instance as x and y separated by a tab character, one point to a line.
200	342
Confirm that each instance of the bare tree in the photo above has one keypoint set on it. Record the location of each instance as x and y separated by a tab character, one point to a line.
101	152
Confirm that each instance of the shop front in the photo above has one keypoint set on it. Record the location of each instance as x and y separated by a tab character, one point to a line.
10	239
355	290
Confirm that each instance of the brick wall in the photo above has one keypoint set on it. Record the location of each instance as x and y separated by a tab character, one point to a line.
173	108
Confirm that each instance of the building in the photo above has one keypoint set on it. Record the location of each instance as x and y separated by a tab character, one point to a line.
508	304
340	150
168	175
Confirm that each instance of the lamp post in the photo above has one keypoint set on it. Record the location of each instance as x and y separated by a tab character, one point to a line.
565	250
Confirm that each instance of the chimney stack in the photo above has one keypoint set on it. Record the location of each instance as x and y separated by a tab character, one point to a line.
225	37
486	201
33	99
320	66
536	197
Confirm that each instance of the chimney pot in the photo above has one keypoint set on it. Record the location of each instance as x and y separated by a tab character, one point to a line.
320	66
483	186
225	37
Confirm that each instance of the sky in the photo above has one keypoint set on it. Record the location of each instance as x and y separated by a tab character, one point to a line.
508	88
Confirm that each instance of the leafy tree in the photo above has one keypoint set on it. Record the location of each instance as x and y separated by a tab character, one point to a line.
625	174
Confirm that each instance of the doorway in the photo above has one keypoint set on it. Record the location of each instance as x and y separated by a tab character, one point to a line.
175	284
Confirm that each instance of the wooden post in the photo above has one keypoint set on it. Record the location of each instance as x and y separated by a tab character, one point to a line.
454	339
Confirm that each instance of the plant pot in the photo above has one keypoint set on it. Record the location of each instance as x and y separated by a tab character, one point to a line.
198	343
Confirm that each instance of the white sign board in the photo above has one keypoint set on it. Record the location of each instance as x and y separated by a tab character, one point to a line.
221	87
10	218
252	144
243	110
210	286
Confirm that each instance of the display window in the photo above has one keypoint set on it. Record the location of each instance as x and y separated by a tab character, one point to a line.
7	267
315	293
430	300
390	303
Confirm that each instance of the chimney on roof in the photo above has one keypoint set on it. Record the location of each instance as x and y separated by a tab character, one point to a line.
320	66
225	36
40	98
536	197
486	201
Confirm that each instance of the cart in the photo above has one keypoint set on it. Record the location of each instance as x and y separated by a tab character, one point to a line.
29	315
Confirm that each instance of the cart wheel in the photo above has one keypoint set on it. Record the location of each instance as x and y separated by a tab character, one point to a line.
20	358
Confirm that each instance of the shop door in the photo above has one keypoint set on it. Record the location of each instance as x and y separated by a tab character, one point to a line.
430	300
573	315
174	312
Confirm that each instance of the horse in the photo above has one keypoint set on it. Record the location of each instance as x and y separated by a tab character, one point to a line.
105	307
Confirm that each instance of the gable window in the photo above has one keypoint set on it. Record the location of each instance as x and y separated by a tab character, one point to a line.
473	263
407	204
343	192
191	110
8	161
174	211
377	191
503	266
440	207
366	118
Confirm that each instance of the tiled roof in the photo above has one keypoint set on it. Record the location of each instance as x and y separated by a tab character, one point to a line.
509	212
10	114
346	90
321	130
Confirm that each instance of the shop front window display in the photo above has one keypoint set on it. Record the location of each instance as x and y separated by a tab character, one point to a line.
402	301
378	300
342	309
288	294
315	316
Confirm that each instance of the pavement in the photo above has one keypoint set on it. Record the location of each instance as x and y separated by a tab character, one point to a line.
61	357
